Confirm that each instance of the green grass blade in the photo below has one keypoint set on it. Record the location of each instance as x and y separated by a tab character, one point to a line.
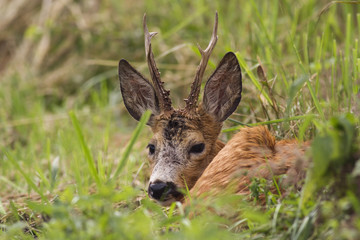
143	120
333	75
262	25
101	169
316	101
253	78
349	41
294	90
84	146
15	186
26	176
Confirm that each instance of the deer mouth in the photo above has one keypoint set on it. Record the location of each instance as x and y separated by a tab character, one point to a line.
171	197
164	193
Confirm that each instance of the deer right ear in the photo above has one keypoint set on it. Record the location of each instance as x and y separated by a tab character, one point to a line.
137	92
222	92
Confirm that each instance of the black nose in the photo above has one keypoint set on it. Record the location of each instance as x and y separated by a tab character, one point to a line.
159	190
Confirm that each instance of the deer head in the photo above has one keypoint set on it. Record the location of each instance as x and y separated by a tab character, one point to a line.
185	139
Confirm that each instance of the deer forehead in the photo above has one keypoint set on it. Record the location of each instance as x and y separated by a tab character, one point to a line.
178	129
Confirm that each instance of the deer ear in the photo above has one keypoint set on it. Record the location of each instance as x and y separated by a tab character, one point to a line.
137	92
222	92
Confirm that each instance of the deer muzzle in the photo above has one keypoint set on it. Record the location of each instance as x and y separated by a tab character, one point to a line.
164	193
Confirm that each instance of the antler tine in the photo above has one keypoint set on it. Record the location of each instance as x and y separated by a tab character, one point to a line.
191	101
162	94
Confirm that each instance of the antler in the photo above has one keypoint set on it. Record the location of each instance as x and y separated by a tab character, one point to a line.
191	101
162	94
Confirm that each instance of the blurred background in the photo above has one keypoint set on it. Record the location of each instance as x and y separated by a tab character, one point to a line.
300	62
61	54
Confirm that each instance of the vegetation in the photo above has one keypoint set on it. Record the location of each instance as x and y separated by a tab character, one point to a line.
73	163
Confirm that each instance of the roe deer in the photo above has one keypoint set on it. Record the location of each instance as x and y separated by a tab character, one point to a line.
185	140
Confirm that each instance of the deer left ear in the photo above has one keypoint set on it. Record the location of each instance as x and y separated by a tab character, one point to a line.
222	93
137	92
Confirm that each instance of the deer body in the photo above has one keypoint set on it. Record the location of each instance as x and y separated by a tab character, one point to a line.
253	152
184	151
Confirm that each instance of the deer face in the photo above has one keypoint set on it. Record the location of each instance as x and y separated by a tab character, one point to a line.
184	140
179	152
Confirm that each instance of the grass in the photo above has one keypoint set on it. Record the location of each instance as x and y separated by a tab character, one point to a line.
73	163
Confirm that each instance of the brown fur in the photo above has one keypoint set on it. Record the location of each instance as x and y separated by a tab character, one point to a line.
253	152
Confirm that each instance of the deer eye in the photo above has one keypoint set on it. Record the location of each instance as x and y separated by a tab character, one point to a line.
197	148
151	148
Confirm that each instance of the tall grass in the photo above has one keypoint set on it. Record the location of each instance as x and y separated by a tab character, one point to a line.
84	175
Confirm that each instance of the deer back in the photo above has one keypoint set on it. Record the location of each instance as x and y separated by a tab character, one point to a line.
253	152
